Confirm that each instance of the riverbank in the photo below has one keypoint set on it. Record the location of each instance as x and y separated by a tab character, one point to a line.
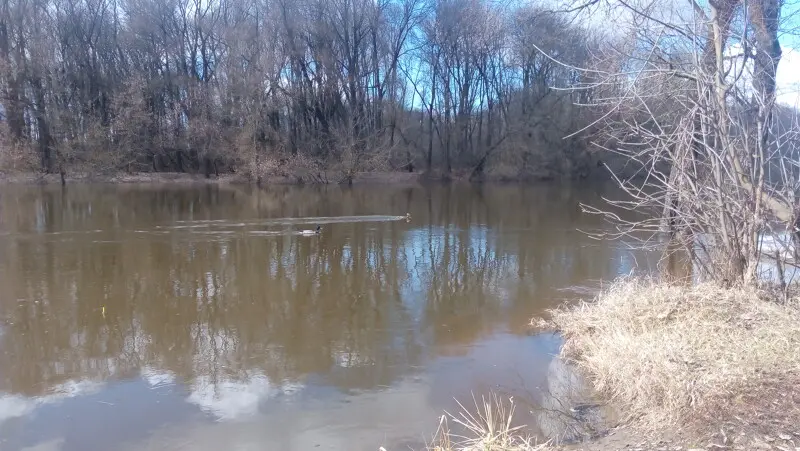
361	178
187	178
689	367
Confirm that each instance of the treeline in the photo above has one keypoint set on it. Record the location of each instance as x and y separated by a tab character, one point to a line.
292	87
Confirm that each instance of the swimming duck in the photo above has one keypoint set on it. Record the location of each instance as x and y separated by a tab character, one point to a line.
311	232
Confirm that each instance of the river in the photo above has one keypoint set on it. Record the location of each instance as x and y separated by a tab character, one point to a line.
138	317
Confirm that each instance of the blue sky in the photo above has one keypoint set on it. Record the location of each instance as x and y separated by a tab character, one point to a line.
788	78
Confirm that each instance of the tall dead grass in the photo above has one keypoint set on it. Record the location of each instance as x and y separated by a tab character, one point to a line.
487	427
672	355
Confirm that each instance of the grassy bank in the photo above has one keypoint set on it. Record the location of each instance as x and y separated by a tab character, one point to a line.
701	363
690	366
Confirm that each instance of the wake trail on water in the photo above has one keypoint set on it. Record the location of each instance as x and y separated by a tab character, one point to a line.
209	223
225	227
221	228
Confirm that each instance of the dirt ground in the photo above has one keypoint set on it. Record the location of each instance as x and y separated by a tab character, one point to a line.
623	439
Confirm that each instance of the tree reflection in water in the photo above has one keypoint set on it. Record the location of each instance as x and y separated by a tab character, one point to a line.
196	293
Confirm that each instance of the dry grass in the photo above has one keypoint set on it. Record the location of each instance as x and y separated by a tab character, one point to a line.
687	356
486	428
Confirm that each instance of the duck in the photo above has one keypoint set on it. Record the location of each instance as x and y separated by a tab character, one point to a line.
311	232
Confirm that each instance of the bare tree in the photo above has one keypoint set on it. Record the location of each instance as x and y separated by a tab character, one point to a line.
272	85
692	103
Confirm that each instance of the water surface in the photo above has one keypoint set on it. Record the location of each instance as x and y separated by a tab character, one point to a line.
166	318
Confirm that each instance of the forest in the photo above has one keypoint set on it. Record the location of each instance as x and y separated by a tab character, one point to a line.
294	87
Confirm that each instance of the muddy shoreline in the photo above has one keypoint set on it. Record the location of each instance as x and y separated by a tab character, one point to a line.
187	178
364	178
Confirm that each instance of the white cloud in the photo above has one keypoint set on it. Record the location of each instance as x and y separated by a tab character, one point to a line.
226	399
788	78
232	400
368	420
156	378
71	389
15	406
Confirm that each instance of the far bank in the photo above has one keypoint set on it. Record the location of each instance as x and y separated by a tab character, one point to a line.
361	178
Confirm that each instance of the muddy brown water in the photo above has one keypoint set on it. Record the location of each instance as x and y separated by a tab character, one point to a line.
186	317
